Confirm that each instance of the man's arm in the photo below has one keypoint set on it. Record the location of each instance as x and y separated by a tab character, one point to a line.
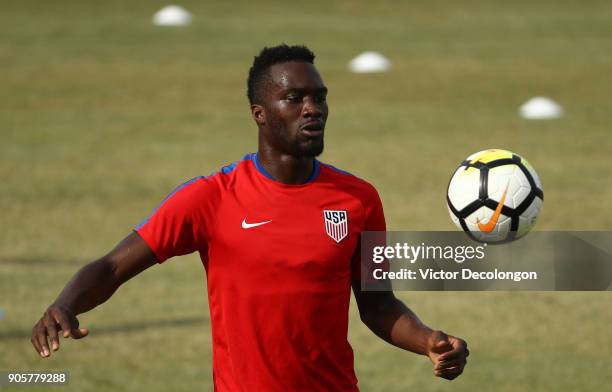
394	322
91	286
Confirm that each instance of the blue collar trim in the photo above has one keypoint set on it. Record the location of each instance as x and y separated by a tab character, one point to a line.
313	176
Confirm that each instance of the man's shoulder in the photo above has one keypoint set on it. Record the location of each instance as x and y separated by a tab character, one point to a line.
235	166
225	175
348	181
215	181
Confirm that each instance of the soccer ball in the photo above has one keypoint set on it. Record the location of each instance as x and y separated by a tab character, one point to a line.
495	196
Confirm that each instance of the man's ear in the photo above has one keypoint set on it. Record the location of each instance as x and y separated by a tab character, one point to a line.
259	114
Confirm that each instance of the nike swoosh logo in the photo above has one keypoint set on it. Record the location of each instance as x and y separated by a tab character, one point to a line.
246	225
490	225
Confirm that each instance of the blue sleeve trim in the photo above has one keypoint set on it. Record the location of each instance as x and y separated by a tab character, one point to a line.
229	168
232	166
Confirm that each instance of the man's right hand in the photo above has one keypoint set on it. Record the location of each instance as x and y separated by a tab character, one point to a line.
55	319
91	286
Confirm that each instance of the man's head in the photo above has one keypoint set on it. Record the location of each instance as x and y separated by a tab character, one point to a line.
288	100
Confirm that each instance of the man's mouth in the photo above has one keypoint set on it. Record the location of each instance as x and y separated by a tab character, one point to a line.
313	129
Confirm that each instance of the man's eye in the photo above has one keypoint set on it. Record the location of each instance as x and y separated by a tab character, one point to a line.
320	98
293	98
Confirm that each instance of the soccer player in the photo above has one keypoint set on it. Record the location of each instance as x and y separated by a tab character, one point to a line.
278	233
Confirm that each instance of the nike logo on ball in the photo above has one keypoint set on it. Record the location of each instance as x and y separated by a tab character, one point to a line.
490	225
246	225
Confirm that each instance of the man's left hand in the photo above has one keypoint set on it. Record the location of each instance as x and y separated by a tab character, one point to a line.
448	354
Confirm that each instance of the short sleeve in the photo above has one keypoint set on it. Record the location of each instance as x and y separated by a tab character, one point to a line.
375	216
180	224
374	221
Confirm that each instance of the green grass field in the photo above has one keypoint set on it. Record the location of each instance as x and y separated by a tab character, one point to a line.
102	114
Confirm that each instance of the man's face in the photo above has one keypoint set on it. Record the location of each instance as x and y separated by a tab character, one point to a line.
295	109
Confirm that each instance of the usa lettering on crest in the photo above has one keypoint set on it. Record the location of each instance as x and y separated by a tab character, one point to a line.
336	224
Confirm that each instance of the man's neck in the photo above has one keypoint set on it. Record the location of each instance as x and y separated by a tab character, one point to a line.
286	168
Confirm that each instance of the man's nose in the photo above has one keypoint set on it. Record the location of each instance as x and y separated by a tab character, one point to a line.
312	108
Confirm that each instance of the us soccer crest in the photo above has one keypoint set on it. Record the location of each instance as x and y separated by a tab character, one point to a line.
336	224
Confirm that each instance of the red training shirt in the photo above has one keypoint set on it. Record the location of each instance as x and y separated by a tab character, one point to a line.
279	260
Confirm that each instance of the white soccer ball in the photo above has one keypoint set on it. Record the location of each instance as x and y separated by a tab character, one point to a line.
495	196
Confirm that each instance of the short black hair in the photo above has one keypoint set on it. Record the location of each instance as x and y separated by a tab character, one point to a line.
283	53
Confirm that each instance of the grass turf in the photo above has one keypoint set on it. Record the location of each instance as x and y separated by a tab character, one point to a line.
103	114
